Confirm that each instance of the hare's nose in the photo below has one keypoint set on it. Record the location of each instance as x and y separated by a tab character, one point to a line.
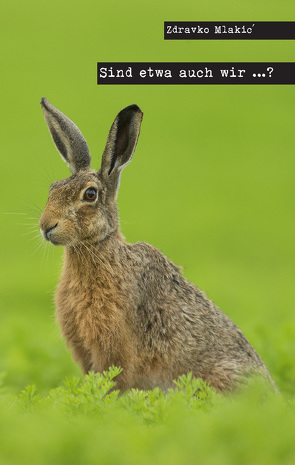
48	231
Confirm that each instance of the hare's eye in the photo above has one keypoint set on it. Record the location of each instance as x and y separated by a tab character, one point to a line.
90	194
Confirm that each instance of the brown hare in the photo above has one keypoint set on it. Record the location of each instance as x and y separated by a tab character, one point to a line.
127	304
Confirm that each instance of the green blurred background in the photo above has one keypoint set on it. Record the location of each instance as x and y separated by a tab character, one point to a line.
211	183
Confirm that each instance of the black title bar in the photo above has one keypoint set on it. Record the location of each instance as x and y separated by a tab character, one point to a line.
196	73
229	30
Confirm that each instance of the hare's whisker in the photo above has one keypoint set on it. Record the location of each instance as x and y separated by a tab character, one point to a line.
13	213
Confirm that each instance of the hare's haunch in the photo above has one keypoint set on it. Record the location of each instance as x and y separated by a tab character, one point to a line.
127	304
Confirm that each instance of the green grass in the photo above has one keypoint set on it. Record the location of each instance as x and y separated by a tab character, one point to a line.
211	184
80	421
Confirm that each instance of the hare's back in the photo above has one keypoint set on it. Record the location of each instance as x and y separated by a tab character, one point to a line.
177	320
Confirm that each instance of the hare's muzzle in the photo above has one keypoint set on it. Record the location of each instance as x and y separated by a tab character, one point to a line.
48	233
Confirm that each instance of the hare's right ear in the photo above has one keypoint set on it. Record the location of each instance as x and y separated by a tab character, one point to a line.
68	139
120	146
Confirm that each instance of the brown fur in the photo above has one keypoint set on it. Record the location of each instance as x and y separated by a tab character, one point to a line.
127	304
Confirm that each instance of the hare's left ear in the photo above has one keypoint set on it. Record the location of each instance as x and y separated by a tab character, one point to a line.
68	139
120	146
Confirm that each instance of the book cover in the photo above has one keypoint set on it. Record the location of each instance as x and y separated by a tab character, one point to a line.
211	183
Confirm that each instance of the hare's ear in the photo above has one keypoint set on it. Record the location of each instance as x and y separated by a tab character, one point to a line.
68	139
120	145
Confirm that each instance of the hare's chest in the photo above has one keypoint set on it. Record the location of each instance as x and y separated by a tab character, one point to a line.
89	316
